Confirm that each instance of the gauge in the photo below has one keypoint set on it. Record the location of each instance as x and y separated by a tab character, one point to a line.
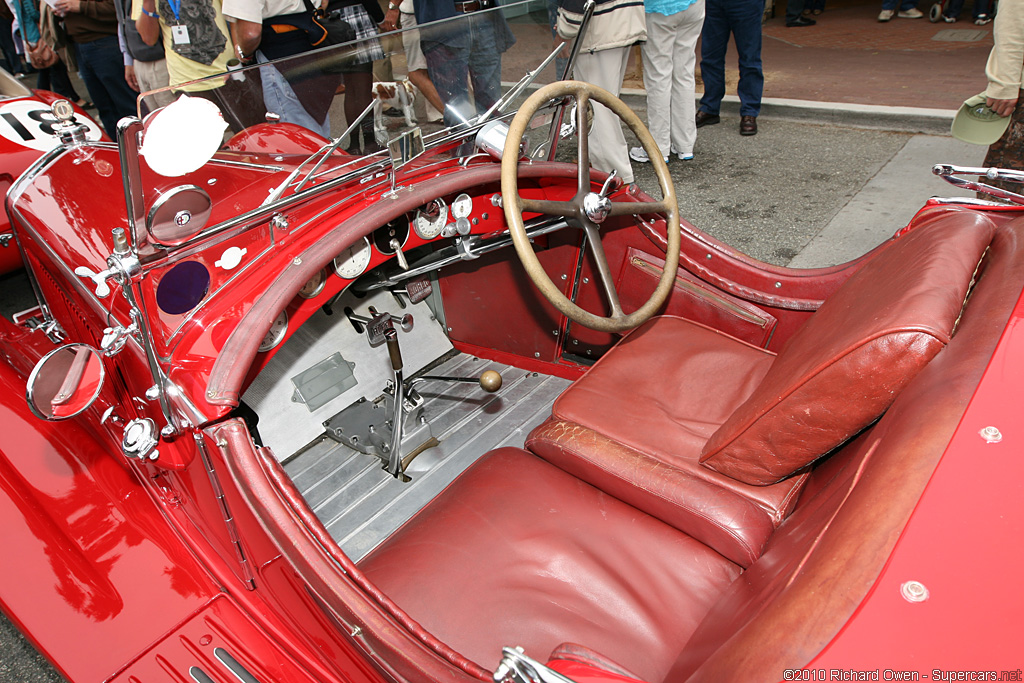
462	206
351	262
314	285
430	220
276	333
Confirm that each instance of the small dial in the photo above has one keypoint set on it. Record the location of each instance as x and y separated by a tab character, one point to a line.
462	206
276	333
314	285
351	262
430	220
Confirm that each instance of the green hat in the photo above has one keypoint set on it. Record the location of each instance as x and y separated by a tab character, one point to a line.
976	123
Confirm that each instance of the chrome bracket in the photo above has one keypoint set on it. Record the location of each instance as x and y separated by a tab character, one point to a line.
516	667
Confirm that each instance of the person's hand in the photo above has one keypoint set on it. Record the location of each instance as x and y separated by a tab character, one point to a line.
1001	107
129	76
64	7
390	22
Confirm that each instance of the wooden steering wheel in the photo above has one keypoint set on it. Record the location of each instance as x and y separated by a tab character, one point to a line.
588	209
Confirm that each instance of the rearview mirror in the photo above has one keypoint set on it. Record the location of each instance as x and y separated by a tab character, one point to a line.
65	382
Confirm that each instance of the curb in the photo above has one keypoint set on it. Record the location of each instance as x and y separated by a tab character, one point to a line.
874	116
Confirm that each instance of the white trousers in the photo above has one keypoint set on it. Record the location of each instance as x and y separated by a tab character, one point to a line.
670	58
606	69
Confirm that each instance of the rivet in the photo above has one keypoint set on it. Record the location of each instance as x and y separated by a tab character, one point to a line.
564	276
778	285
991	434
709	257
554	332
296	261
536	354
914	591
356	632
586	280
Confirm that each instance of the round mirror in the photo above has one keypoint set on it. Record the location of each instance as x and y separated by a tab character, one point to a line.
182	136
65	382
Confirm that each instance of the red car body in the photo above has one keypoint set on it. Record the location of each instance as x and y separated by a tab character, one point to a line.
24	134
199	559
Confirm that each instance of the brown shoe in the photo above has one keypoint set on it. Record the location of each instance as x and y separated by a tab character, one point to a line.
705	119
748	125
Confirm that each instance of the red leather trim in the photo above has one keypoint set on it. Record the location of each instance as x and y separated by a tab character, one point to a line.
573	652
393	639
849	361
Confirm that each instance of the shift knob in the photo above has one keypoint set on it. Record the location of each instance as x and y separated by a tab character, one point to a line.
490	381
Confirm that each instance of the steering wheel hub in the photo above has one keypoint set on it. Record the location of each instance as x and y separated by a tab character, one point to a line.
596	207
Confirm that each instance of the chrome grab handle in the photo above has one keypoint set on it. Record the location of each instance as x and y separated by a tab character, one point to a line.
949	173
516	667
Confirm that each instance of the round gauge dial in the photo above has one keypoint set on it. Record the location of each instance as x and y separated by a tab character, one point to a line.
462	206
276	333
314	285
431	219
351	262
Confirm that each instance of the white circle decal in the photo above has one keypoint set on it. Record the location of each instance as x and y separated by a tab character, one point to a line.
29	123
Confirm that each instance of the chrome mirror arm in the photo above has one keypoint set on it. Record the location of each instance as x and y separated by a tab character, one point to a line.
948	172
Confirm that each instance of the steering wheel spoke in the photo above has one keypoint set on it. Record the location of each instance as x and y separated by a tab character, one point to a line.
604	273
637	208
590	207
550	208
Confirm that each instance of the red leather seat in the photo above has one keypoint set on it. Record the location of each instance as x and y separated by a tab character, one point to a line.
674	399
516	552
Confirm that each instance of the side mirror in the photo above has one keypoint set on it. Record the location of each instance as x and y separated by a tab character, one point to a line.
65	382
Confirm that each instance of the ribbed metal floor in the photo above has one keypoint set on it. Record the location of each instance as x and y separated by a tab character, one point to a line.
361	505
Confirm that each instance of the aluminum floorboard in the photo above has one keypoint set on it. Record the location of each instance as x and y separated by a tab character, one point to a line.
361	505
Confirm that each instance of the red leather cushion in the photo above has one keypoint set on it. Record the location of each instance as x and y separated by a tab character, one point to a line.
635	423
517	552
848	362
634	426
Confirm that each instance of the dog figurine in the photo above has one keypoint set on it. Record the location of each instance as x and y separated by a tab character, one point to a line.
397	94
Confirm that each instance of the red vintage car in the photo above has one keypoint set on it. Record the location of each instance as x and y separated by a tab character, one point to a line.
26	130
465	409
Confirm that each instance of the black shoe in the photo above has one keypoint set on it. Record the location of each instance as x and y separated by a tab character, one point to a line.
705	119
748	125
801	21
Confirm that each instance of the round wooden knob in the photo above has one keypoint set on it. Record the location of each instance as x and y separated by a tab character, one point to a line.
490	381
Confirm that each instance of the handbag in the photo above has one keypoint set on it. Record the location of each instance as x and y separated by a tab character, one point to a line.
336	30
42	56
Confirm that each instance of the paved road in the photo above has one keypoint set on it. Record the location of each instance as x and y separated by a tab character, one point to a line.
798	193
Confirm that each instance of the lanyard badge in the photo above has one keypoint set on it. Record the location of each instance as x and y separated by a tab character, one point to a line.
179	32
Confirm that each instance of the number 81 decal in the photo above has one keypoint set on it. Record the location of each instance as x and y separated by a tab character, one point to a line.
30	124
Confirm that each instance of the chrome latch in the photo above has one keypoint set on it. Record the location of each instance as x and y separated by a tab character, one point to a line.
140	439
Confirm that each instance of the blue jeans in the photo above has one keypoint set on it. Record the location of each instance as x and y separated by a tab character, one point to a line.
470	56
742	19
101	66
904	4
280	98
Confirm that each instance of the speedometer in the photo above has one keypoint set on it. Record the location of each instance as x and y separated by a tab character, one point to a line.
430	219
351	262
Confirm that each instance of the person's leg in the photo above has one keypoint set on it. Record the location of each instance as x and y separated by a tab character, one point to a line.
280	98
684	130
608	151
793	10
953	9
746	28
714	41
153	76
658	77
102	67
449	72
59	81
484	61
416	63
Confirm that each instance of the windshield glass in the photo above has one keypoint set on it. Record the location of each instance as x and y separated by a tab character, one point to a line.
442	74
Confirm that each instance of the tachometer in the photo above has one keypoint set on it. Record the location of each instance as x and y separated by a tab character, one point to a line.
351	262
430	219
276	333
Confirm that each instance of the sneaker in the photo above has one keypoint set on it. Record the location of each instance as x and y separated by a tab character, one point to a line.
886	15
949	20
640	154
683	156
912	13
982	19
